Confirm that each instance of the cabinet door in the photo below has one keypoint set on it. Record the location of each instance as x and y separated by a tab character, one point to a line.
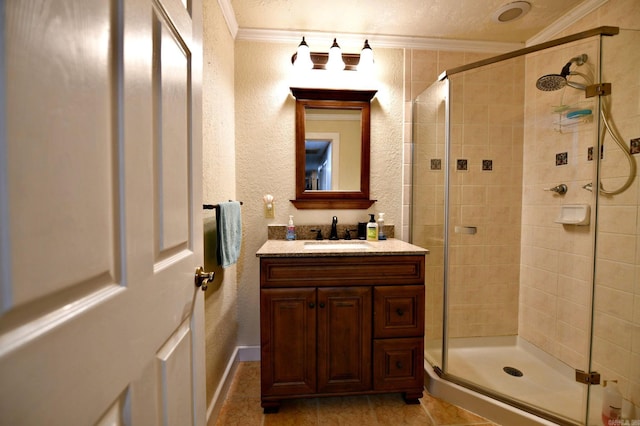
344	339
288	341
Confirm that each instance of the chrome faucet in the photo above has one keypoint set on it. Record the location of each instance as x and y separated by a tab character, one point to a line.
334	229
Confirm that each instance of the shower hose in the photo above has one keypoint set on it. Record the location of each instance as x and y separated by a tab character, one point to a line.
609	128
632	164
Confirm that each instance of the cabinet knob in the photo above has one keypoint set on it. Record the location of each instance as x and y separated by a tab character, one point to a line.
312	305
400	312
321	304
399	365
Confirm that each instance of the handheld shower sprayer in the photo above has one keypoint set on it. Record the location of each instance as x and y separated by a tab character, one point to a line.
552	82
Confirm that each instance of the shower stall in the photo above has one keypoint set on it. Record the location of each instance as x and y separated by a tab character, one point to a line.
525	191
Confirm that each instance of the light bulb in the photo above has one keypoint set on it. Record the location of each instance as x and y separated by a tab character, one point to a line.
366	58
303	57
335	62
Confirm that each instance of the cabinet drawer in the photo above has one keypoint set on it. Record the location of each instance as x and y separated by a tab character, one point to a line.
398	364
398	311
335	271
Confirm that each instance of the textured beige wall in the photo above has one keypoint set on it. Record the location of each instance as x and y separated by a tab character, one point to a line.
265	143
219	184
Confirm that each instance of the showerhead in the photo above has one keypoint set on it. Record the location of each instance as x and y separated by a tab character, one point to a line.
551	82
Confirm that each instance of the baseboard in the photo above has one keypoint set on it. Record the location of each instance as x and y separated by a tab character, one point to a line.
249	353
240	354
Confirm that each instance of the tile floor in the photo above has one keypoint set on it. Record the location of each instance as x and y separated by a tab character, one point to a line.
242	407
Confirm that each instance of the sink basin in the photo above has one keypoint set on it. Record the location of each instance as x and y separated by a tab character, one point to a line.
337	245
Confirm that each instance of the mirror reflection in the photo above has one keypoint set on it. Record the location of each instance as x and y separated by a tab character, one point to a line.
332	149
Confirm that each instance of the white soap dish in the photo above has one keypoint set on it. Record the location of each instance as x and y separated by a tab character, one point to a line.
574	214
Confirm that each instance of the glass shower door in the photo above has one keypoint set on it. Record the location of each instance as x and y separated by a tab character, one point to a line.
428	212
616	328
516	284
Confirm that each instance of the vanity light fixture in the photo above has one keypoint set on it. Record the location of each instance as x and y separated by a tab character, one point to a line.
334	60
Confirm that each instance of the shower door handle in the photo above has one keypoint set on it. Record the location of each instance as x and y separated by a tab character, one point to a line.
465	230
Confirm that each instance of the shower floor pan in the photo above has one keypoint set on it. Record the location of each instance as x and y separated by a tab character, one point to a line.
545	381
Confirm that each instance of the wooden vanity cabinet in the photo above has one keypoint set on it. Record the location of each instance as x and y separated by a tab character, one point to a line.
341	326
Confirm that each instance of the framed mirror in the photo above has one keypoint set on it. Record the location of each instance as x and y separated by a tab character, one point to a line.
332	148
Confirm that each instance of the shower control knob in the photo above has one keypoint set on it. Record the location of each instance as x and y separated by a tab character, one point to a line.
558	189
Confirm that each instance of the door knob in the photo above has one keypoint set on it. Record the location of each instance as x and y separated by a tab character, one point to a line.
202	278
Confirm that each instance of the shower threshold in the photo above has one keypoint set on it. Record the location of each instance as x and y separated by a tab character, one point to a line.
480	363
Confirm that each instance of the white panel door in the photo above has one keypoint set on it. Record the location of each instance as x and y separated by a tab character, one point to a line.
100	212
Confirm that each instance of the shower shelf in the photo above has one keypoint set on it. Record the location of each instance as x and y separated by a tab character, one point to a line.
573	115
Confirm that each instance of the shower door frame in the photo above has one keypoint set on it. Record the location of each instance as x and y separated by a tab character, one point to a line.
442	372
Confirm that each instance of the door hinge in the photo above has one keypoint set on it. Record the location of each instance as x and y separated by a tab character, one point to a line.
591	378
600	89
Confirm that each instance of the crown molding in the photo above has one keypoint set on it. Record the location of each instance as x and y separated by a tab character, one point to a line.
565	21
229	17
402	42
376	41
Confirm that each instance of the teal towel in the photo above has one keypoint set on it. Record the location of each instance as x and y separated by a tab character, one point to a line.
229	224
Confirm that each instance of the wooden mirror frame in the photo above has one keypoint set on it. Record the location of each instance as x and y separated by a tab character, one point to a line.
333	99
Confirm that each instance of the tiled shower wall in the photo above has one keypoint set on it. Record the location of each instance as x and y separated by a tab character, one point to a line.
556	271
556	274
485	193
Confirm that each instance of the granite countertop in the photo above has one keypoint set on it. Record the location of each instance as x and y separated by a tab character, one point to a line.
296	248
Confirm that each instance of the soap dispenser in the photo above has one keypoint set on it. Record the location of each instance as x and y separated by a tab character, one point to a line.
372	228
381	234
291	229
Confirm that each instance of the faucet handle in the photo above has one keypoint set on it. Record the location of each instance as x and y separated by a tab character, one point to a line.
559	189
319	231
347	233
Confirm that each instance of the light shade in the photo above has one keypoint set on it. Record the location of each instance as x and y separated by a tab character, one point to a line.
335	62
366	58
303	57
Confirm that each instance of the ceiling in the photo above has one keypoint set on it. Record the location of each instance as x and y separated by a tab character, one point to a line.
460	20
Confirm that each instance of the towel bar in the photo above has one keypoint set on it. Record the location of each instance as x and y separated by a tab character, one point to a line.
214	206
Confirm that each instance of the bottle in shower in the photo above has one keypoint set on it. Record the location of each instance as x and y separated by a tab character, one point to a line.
611	403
